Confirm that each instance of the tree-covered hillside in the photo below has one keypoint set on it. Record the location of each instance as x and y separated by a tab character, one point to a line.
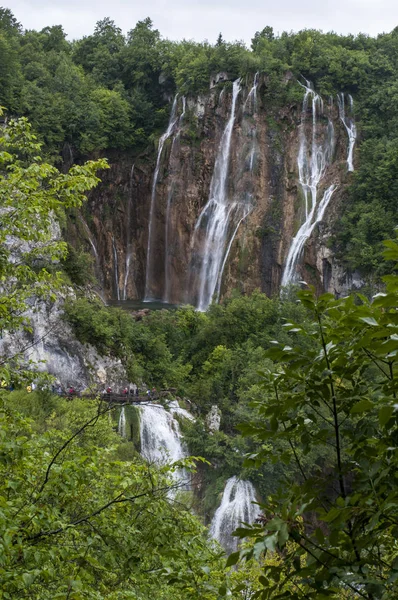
111	91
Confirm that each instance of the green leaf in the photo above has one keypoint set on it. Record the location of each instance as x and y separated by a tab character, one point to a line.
233	559
362	406
369	321
385	414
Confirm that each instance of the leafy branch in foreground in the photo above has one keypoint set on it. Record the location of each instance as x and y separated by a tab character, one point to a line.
33	194
340	393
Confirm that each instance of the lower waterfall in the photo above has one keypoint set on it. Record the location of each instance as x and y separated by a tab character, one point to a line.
161	439
236	507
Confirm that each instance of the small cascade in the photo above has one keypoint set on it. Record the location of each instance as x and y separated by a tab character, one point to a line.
217	218
251	100
250	106
129	250
161	439
116	268
314	157
349	124
98	270
236	507
151	226
122	426
167	235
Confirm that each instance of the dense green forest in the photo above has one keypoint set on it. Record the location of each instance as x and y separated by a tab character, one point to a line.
307	387
111	91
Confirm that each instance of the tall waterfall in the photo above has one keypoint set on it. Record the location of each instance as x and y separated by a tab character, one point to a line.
349	124
161	439
314	156
217	217
151	226
168	229
122	428
236	507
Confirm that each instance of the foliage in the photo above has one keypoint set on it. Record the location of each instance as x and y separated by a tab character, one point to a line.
77	522
339	393
32	192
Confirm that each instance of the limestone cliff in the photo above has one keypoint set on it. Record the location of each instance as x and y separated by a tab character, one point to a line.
128	215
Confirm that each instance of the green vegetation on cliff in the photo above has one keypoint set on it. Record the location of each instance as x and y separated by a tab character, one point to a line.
111	91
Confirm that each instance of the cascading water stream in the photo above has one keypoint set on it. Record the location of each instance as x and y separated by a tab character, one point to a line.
250	106
251	100
129	250
151	229
96	256
116	268
314	157
122	428
350	127
167	236
236	507
214	221
161	439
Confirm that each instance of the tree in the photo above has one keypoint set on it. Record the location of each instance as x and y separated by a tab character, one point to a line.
32	193
339	393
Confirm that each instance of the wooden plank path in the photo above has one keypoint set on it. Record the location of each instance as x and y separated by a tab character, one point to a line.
119	398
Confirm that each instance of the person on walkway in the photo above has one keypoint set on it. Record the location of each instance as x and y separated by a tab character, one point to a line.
125	392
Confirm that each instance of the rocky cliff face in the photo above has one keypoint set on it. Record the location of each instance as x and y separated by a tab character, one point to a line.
158	224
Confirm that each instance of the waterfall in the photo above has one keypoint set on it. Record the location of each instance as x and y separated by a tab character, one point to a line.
215	219
116	268
350	127
251	100
250	106
96	256
167	236
161	439
236	507
314	156
129	251
121	428
151	225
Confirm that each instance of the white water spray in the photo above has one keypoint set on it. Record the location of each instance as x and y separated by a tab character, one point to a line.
236	507
161	439
314	157
217	216
151	228
349	124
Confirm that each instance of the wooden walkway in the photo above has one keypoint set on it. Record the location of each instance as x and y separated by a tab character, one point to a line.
119	398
